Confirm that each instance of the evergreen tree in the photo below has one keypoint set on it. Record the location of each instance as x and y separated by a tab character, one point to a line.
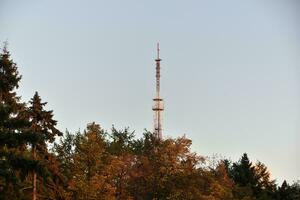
296	190
252	181
14	162
284	191
288	192
243	172
43	126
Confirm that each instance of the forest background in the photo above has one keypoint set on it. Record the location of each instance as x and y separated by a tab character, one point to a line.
95	164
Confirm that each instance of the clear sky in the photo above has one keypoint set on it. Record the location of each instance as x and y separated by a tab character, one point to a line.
230	69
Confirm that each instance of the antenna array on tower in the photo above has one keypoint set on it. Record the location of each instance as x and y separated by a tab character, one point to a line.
158	106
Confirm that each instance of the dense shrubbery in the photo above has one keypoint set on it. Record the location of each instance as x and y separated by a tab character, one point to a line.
95	164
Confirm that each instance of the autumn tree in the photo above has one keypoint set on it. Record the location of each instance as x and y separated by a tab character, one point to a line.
121	146
91	178
218	185
164	169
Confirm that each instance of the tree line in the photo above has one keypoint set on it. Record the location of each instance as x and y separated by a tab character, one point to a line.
37	161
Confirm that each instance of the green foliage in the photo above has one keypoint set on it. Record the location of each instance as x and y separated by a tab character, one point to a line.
121	141
288	192
64	151
91	173
21	126
252	181
14	162
43	126
41	121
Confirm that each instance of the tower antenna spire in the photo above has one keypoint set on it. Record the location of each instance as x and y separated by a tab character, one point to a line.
158	106
158	50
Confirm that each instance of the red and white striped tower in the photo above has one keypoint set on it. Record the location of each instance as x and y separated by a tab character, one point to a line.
158	106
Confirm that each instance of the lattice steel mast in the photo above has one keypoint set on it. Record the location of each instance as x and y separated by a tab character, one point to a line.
158	106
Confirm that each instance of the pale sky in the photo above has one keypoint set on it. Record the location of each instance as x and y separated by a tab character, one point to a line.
230	69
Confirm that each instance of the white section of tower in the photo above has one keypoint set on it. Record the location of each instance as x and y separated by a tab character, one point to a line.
158	106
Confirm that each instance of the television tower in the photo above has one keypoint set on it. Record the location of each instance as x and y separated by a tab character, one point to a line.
158	106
